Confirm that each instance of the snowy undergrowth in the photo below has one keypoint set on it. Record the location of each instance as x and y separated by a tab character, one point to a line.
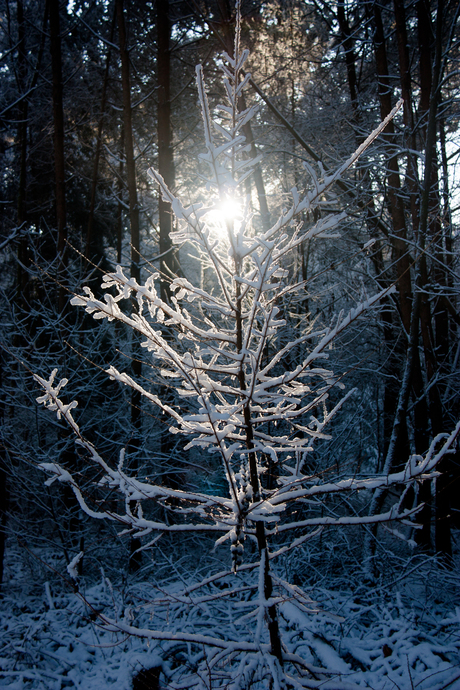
379	639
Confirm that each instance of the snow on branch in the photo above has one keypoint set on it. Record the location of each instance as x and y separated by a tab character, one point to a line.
235	387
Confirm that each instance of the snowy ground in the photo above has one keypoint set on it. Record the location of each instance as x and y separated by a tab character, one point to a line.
402	637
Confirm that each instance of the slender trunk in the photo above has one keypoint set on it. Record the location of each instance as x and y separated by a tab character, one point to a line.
409	126
136	419
429	195
89	230
120	187
272	615
427	115
446	199
273	627
429	200
168	264
422	441
395	201
391	355
59	160
398	445
399	421
23	249
4	497
257	173
350	59
22	127
425	41
129	144
421	417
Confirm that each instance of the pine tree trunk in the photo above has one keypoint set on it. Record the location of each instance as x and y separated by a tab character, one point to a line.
257	173
129	144
421	416
350	59
136	419
59	159
120	187
4	498
395	202
435	343
168	264
23	249
89	230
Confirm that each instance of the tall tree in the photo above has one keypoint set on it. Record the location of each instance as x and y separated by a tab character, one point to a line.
165	151
129	143
136	366
97	155
59	146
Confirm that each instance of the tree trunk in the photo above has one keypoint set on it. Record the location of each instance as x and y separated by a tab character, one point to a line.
425	39
272	615
129	144
89	230
435	344
23	115
399	421
395	201
120	187
350	59
257	172
4	497
409	126
136	419
168	264
59	160
421	417
23	250
399	246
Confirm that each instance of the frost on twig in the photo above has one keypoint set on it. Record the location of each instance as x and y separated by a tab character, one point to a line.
219	513
72	568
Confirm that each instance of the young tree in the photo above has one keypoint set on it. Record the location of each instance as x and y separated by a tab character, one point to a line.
248	397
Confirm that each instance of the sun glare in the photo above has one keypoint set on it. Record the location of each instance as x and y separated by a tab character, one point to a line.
225	213
230	209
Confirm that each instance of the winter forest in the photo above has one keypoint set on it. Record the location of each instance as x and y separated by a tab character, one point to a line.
230	353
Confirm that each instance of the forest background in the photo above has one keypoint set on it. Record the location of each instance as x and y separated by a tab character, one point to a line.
95	94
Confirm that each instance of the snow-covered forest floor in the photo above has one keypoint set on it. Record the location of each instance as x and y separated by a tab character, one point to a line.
403	633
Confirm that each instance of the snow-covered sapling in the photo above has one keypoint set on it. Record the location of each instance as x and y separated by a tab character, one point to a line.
241	397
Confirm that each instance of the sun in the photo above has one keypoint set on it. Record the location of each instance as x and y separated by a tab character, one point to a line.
225	213
230	209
